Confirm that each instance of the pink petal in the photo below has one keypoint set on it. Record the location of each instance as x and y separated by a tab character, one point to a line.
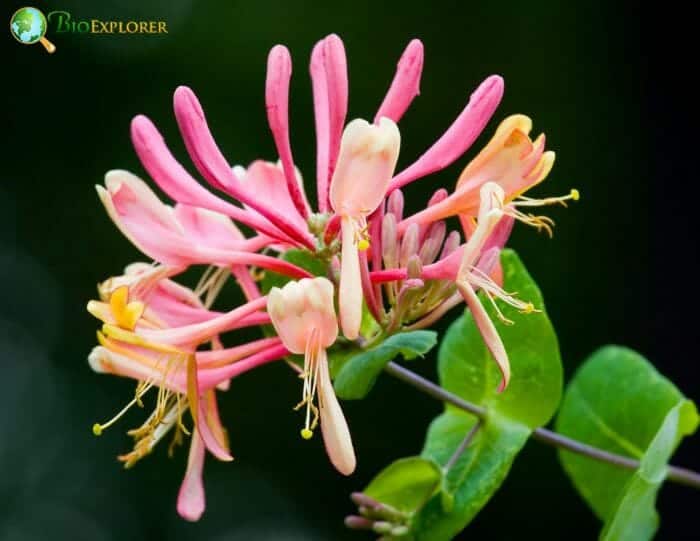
406	83
375	234
329	78
267	178
191	500
175	313
279	72
210	428
388	275
200	143
197	333
211	163
459	136
178	184
246	282
224	258
367	289
218	357
488	331
500	234
208	228
143	219
336	434
211	377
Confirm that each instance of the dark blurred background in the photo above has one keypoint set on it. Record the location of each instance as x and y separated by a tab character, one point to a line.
600	81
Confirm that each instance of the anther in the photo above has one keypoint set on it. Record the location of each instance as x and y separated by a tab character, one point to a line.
307	433
528	308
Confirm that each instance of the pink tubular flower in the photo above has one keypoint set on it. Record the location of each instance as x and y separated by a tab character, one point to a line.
304	317
368	155
184	235
153	337
408	271
511	160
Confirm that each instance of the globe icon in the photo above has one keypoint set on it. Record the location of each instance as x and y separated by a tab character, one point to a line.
28	26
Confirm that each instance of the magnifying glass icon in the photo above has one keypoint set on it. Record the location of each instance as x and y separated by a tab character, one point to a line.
28	26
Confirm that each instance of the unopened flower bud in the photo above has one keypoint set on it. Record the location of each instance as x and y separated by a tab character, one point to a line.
432	243
438	196
394	204
361	499
414	267
409	244
452	242
399	531
358	523
390	249
383	527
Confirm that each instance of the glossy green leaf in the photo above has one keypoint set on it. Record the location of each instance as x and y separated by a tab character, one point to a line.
474	476
617	401
358	374
405	484
635	517
467	369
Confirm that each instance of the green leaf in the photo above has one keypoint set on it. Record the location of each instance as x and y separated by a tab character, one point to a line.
474	477
358	374
617	401
467	369
635	517
405	484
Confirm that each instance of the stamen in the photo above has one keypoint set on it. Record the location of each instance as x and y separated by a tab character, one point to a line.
523	201
499	314
204	280
98	428
538	222
362	236
310	376
481	280
211	283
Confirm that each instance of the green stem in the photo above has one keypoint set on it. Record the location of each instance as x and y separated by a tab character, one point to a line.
678	475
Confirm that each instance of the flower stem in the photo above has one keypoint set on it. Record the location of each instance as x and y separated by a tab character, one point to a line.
678	475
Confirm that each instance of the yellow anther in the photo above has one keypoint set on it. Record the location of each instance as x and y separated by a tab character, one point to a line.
575	195
363	245
97	429
125	313
307	433
528	308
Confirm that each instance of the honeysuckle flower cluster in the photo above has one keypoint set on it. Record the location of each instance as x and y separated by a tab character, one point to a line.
385	271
